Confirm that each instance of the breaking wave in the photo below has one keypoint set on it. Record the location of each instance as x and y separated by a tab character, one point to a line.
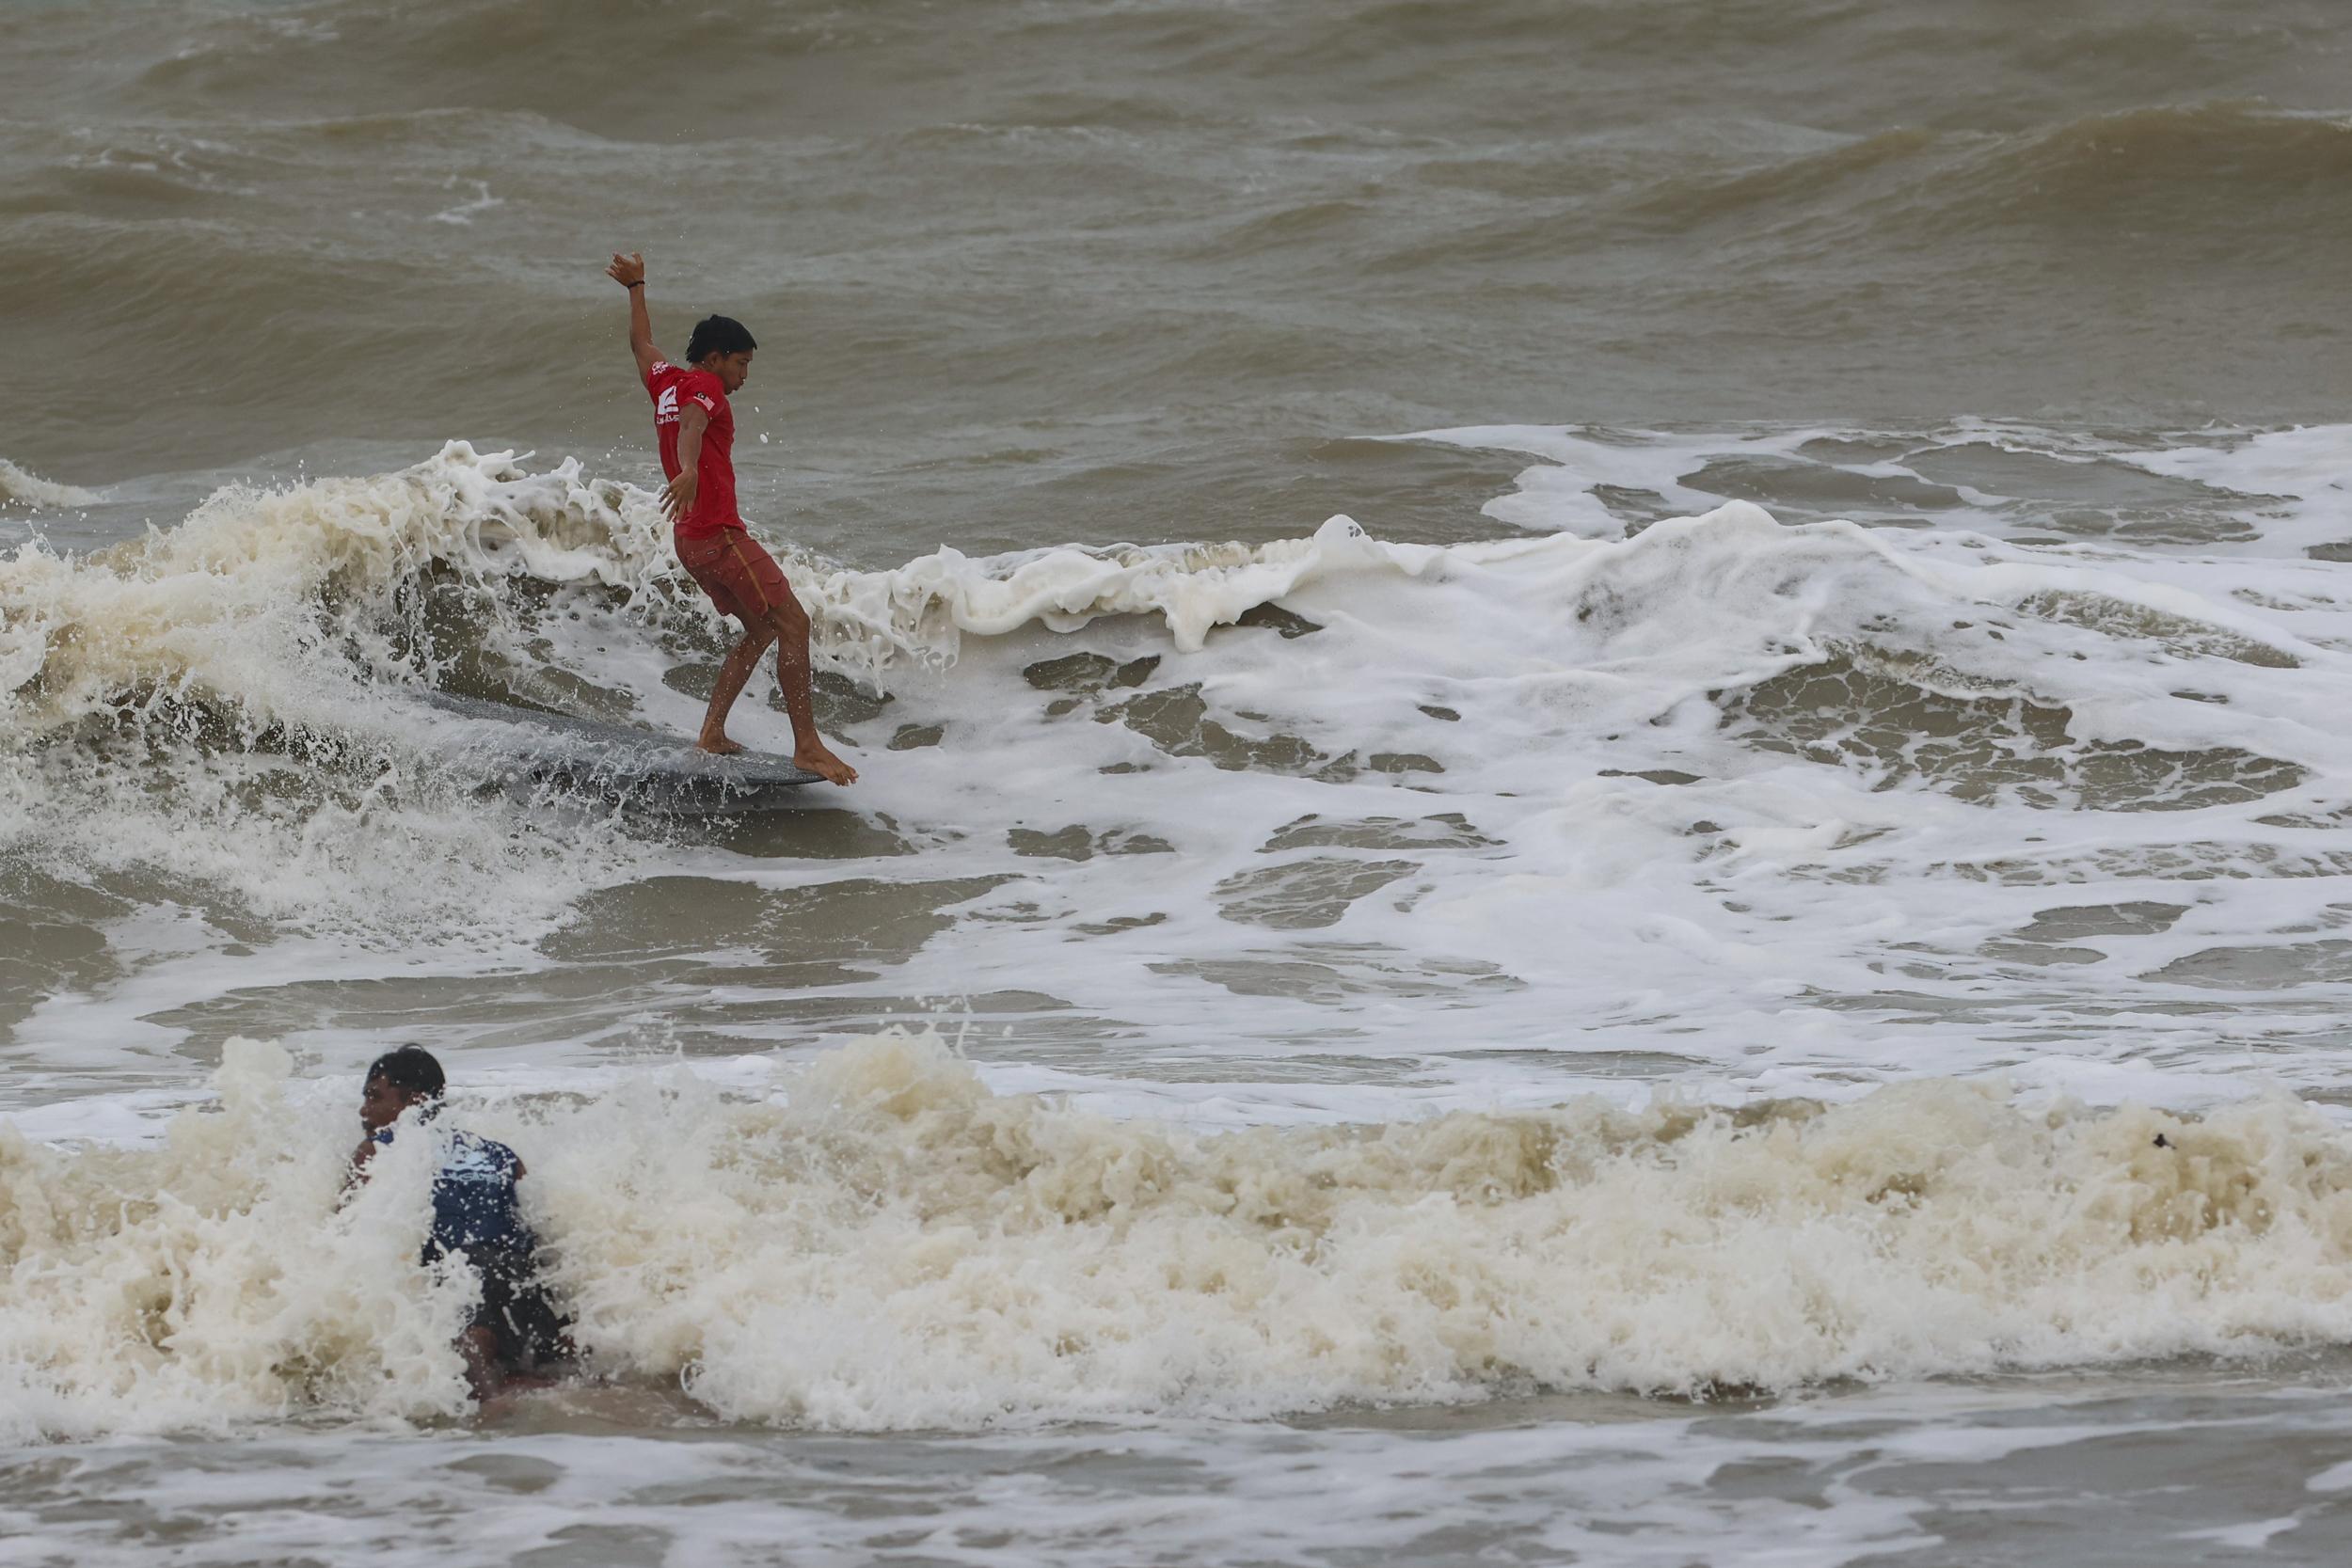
890	1245
235	699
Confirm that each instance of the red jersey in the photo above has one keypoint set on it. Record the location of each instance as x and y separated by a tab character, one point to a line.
714	493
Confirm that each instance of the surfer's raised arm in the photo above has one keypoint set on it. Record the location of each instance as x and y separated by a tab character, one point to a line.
629	273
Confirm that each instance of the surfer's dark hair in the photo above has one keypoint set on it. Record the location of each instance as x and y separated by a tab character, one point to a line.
718	335
410	1069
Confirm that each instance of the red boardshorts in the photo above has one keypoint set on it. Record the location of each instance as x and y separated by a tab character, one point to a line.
741	579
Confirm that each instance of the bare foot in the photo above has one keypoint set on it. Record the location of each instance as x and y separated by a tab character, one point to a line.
718	745
816	760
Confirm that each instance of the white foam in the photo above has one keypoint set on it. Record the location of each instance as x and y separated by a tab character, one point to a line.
1603	894
895	1247
1377	1085
1359	897
2294	479
233	1289
209	703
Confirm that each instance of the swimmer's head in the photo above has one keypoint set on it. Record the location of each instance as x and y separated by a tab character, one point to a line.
723	346
396	1081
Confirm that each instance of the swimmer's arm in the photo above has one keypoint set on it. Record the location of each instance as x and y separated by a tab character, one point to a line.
627	270
678	500
360	1158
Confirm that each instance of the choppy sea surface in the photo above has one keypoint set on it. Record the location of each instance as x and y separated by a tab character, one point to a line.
1604	814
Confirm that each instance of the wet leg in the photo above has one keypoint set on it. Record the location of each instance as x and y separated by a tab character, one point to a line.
789	627
741	661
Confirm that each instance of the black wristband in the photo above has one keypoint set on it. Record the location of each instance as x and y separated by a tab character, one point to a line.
639	284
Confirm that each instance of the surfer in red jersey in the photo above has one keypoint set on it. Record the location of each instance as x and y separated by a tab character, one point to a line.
696	429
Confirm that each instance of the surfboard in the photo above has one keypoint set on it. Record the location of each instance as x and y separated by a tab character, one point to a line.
520	746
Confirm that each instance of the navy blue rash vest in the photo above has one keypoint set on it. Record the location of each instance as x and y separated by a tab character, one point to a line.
475	1208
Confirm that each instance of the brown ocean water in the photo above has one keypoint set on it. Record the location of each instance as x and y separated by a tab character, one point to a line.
1032	271
1616	1008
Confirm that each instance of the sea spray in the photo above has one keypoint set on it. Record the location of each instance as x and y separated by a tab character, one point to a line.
220	1277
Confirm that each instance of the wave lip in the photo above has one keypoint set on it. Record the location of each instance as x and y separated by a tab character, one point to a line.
2236	177
2249	176
18	487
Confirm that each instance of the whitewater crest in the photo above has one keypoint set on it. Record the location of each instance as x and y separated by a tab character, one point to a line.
888	1244
292	603
215	1279
18	487
923	609
276	600
220	701
272	599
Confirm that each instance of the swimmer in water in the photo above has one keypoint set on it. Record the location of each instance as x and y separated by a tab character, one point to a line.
516	1332
695	426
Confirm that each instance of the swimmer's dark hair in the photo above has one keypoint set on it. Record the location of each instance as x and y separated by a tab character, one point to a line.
410	1069
718	335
